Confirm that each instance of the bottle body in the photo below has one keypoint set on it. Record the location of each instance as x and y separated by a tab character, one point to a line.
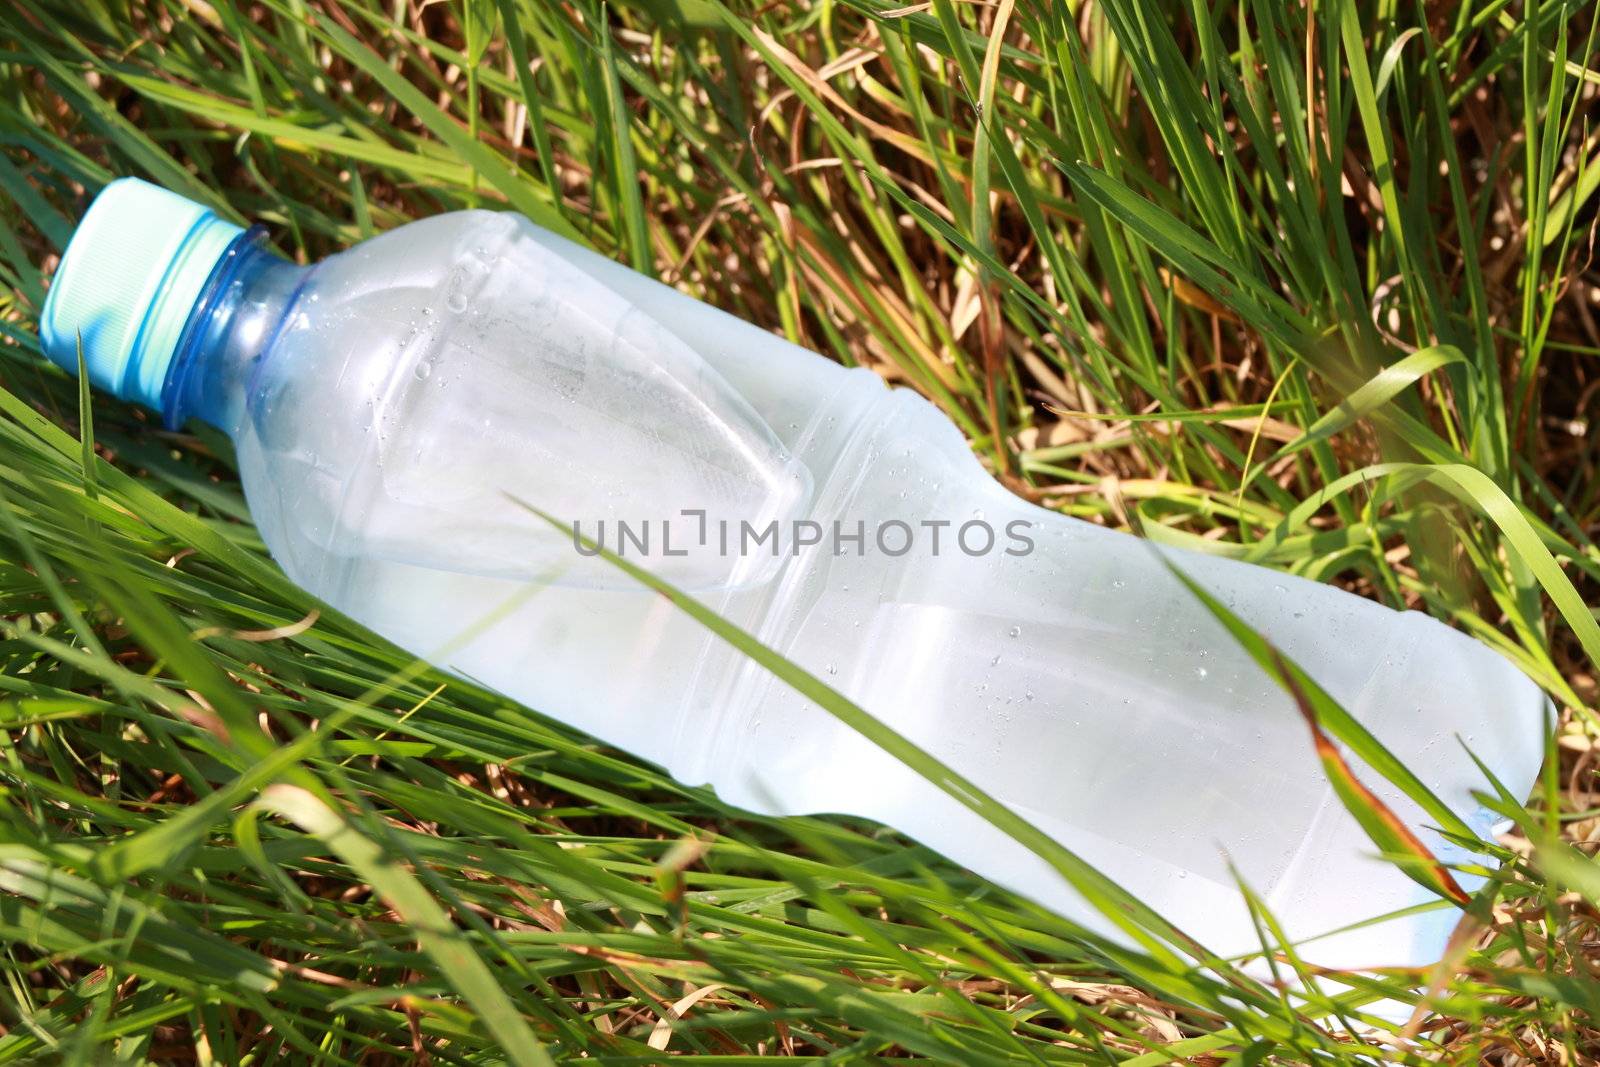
426	390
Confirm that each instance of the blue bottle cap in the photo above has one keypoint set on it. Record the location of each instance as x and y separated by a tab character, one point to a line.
131	274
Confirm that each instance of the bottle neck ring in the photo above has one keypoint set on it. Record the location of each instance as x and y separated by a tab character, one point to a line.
230	327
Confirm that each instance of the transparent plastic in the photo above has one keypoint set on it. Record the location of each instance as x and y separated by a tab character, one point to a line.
399	408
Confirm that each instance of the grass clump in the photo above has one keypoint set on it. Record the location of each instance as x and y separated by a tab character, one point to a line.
1309	285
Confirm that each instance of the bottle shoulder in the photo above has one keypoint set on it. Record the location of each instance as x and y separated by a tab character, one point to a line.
440	382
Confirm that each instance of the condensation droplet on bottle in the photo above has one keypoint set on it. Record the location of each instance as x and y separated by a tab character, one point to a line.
423	369
1015	631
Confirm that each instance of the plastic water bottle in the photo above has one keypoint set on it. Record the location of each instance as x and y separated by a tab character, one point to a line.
396	407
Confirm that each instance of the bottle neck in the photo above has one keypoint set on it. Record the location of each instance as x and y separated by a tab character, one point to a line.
231	327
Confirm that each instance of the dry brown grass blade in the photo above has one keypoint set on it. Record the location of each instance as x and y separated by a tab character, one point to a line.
1386	829
818	84
991	321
